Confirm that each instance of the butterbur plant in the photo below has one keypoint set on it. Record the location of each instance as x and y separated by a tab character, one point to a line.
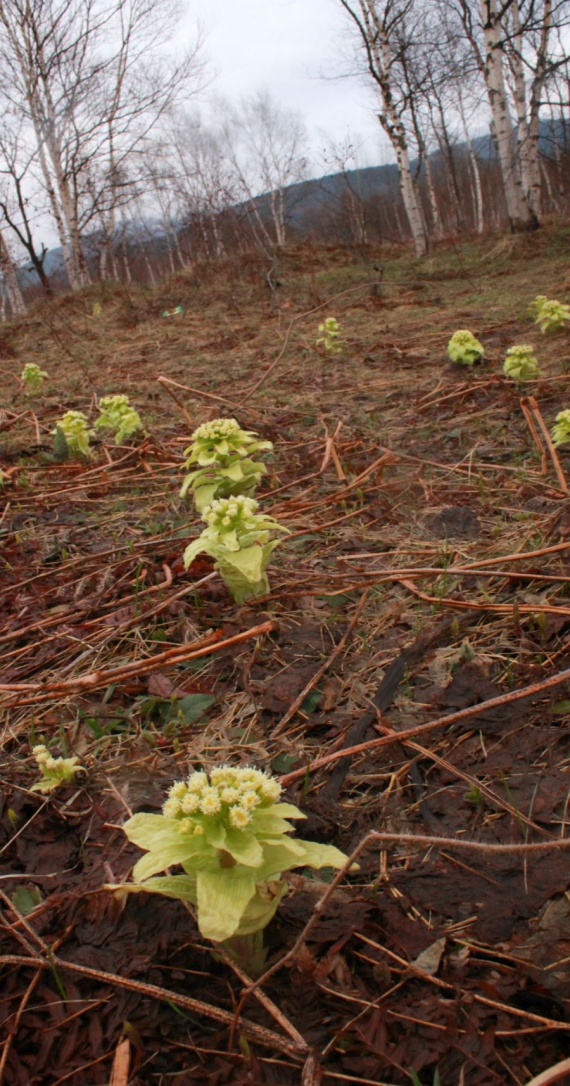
549	314
33	378
72	430
464	348
54	771
238	538
329	336
230	834
561	429
222	452
521	364
117	414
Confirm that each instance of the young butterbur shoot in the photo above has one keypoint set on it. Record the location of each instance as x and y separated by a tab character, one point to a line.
33	378
117	414
561	430
222	451
329	337
54	771
230	835
237	537
176	312
72	434
521	364
549	314
464	348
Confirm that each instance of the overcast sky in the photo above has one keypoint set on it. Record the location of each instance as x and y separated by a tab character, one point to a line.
297	50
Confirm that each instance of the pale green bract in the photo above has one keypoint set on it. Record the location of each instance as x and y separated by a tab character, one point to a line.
221	449
521	363
117	414
237	537
54	771
229	834
464	348
73	425
561	429
549	314
33	378
330	336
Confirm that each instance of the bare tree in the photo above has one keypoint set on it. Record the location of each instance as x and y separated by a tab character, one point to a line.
90	102
265	147
517	45
388	36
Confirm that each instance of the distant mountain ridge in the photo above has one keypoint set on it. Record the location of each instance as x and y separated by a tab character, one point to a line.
305	200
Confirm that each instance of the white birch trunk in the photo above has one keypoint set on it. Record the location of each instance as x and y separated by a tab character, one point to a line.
12	285
517	208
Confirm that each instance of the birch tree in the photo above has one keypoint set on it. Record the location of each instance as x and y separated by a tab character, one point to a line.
386	32
517	46
92	80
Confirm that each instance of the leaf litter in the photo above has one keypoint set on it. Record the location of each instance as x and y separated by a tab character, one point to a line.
425	577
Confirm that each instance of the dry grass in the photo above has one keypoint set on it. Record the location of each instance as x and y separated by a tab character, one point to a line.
408	674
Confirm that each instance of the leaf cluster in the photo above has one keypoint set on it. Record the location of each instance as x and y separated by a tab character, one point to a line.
329	337
238	538
222	452
231	837
521	363
119	416
550	315
464	348
33	378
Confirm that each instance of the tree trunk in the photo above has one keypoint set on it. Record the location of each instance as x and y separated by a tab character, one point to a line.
520	216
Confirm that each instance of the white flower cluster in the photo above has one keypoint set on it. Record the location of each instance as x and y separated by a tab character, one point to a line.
216	429
225	512
44	758
230	794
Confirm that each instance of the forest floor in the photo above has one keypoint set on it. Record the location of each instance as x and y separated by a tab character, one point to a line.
408	675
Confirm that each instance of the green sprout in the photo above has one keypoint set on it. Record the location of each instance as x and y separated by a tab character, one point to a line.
221	449
230	835
237	536
117	414
550	315
561	429
54	771
464	348
521	364
72	432
97	310
33	378
330	336
173	312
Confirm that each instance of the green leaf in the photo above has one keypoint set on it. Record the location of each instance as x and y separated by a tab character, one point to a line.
26	898
222	899
181	887
188	848
248	562
193	706
322	855
244	847
262	908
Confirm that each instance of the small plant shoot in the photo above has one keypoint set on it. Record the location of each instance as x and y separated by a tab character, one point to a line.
33	378
561	430
464	348
118	415
230	835
221	450
329	337
72	432
238	538
550	315
521	363
54	771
